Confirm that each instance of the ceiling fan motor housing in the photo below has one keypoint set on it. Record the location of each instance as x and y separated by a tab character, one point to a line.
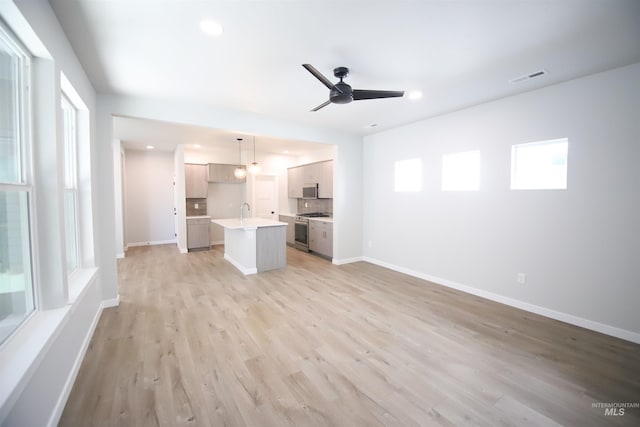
341	93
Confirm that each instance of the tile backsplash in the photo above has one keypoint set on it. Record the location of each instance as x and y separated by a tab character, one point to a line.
200	210
315	205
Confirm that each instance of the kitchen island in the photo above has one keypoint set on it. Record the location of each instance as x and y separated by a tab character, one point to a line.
254	245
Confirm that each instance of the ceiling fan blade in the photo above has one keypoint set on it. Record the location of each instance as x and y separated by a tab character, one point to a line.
318	75
324	104
359	94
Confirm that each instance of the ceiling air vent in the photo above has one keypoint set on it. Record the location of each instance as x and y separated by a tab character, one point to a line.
529	76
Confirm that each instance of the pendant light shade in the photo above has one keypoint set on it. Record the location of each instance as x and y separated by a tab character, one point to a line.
239	172
254	167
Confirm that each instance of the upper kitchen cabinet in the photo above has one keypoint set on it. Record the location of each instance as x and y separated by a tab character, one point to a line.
294	183
223	173
325	181
311	173
196	184
320	173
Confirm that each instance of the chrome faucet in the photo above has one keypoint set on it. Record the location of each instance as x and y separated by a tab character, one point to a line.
242	209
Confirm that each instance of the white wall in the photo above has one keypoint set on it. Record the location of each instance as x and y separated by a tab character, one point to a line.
328	153
44	355
118	185
149	216
578	247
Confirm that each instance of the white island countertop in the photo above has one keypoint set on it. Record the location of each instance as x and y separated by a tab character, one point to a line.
247	223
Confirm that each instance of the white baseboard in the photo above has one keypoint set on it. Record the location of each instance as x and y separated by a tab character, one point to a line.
543	311
155	242
113	302
243	270
66	390
347	260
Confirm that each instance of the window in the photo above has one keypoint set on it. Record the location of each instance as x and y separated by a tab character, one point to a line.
70	184
539	165
461	171
408	176
16	278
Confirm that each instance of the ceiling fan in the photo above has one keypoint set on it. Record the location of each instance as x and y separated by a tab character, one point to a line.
342	93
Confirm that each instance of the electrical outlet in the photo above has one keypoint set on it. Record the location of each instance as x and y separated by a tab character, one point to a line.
521	278
195	205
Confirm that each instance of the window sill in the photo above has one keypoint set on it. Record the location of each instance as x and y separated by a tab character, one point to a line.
79	281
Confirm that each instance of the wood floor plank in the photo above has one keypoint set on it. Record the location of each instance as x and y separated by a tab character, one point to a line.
196	343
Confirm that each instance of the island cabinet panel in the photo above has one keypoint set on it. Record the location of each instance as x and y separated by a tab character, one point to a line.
223	173
198	236
321	237
271	252
291	231
196	184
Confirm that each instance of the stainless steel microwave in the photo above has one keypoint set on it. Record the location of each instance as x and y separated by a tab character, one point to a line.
310	191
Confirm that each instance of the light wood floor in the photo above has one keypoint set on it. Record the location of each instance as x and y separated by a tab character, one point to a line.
194	342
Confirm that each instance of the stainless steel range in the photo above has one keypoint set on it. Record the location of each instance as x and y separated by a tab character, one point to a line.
302	229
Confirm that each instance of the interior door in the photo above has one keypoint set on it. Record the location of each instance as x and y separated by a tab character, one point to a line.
266	196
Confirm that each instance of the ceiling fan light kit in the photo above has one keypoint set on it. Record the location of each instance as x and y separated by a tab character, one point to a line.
342	93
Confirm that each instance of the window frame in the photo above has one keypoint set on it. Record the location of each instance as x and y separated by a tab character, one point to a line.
70	170
399	185
517	185
24	177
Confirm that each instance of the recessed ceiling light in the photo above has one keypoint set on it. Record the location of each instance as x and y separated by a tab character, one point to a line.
211	27
285	152
150	147
416	94
196	145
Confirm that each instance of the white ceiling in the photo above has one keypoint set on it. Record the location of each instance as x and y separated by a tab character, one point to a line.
458	53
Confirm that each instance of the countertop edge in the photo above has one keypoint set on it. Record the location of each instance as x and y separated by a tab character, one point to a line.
322	219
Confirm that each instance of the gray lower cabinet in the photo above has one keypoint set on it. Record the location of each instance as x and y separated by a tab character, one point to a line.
291	230
198	236
321	237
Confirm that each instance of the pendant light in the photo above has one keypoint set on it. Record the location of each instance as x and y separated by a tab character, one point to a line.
254	167
240	172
